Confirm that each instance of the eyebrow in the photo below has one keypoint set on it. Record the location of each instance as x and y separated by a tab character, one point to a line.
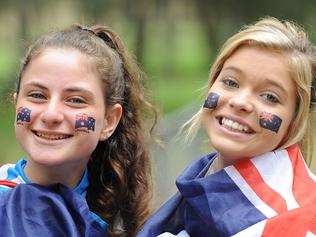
276	84
37	84
267	80
70	89
232	68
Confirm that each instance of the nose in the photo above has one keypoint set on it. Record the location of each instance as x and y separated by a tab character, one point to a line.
242	102
51	114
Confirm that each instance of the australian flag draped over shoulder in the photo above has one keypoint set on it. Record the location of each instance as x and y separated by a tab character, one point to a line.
54	211
270	195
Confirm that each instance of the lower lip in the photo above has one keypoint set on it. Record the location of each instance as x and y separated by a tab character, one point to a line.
230	133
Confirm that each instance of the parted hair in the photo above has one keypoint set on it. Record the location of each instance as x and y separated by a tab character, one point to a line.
119	169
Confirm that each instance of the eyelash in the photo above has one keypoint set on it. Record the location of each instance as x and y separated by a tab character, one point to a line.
77	100
271	98
37	96
230	83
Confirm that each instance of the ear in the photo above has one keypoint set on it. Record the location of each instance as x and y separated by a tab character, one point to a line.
111	120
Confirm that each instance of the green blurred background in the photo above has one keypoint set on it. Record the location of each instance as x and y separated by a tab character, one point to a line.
174	41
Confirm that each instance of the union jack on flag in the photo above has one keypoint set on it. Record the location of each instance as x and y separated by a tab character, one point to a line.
272	195
287	200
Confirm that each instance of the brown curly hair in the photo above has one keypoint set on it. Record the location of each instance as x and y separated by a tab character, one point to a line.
119	168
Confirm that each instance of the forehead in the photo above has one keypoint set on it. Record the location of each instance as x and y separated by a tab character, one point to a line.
62	68
60	64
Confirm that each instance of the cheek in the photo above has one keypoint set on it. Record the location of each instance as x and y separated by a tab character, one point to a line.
208	121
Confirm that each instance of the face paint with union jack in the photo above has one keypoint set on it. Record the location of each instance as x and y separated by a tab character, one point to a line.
23	115
84	122
270	121
211	101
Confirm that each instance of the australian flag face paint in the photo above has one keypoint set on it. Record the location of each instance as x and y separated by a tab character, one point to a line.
23	115
211	101
84	122
270	121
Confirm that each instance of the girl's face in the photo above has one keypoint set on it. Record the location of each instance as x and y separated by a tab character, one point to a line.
256	104
61	114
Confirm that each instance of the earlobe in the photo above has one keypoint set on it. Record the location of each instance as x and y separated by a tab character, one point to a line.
111	120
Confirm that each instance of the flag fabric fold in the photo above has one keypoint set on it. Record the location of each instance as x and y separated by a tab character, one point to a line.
34	210
270	195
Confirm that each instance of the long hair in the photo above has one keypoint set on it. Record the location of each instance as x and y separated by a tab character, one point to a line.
119	168
290	40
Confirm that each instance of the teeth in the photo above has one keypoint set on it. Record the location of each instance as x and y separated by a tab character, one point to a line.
51	136
234	126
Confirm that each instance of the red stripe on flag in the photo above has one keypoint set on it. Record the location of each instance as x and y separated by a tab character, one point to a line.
252	176
7	183
304	187
295	223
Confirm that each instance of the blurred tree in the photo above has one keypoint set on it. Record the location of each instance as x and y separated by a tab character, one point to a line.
138	12
221	18
134	11
218	18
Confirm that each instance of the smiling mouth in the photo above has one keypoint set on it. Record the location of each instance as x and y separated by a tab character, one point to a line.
234	126
49	136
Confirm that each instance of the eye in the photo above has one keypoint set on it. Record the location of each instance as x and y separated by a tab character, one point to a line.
230	82
271	98
77	100
37	96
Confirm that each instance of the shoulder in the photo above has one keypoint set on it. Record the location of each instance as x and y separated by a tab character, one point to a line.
5	184
10	176
4	170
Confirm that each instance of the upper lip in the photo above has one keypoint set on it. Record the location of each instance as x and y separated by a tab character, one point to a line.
236	119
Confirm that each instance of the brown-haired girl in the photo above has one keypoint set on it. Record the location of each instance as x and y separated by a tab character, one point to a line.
80	119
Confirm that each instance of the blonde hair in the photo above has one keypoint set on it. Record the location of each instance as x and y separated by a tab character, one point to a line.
288	39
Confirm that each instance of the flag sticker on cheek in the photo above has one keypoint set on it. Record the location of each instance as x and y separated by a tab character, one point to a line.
84	122
23	115
270	121
211	101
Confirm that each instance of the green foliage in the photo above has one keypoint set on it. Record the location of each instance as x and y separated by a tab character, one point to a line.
176	67
10	150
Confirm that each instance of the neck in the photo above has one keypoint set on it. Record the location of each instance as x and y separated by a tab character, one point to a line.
221	162
69	175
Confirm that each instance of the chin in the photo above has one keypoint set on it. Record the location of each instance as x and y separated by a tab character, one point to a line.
231	156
